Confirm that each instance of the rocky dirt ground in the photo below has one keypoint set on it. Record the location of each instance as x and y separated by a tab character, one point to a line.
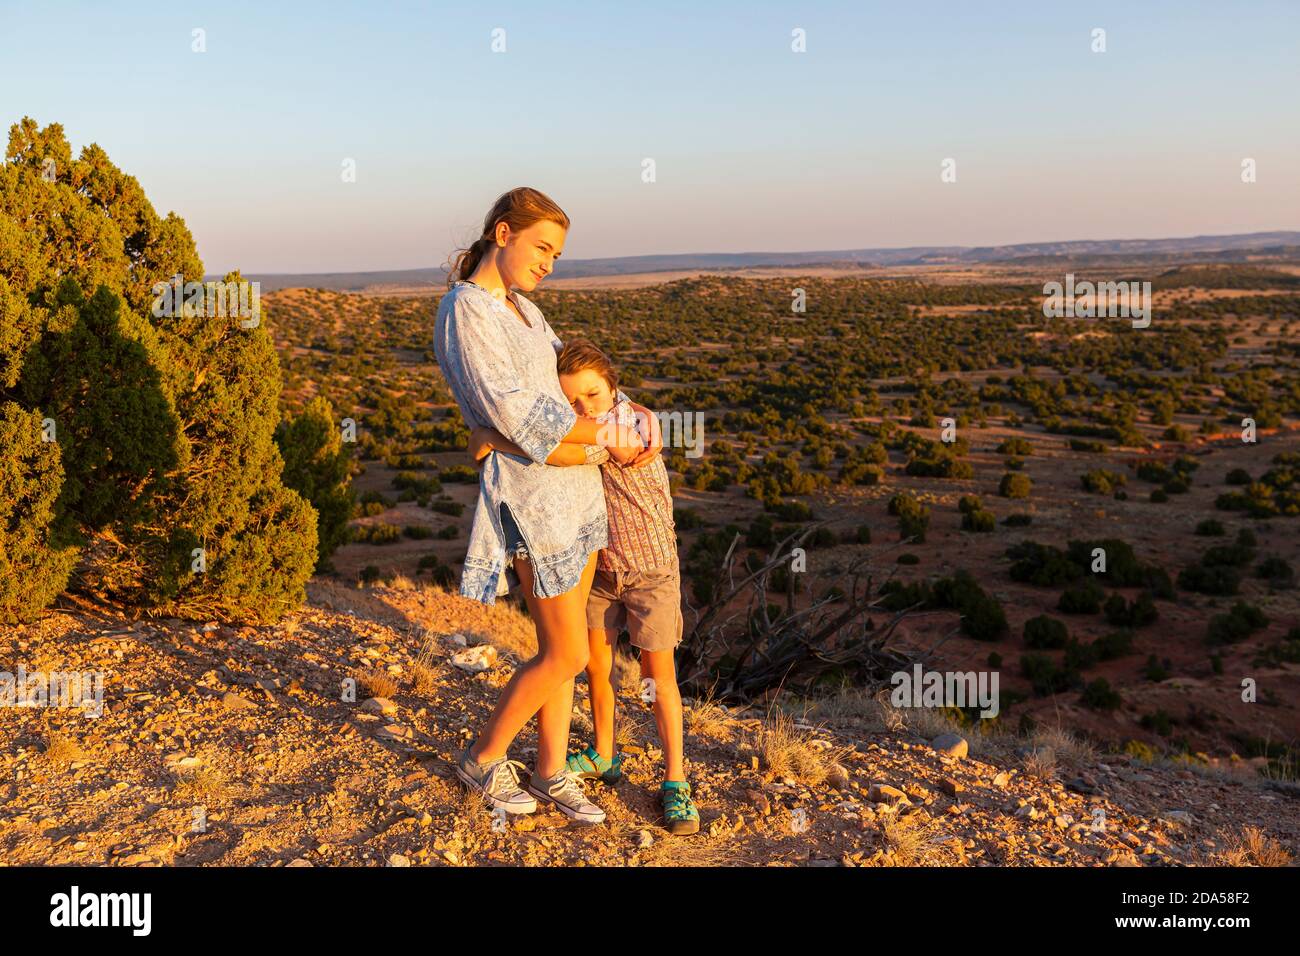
235	746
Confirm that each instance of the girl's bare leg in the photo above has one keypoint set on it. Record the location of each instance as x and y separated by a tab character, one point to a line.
543	685
600	682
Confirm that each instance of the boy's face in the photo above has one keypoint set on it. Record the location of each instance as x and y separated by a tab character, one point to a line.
588	392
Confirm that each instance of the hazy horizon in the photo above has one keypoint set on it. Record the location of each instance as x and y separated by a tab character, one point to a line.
757	148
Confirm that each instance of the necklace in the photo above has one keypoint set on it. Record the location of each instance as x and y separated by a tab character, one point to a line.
519	311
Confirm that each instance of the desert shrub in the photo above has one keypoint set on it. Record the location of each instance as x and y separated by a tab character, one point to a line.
1014	485
1083	597
1098	695
1276	571
1045	633
1139	612
913	516
378	533
1102	481
1237	624
318	468
982	614
1041	565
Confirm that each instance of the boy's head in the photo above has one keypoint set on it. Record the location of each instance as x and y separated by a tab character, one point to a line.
587	378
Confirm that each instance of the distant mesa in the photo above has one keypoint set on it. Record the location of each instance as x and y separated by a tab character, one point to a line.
1187	248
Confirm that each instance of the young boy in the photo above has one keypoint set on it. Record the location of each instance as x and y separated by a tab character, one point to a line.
637	585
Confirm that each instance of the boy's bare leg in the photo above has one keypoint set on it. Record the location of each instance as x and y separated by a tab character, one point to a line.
660	667
600	682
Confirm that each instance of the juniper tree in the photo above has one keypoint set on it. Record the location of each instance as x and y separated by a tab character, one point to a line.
317	467
164	417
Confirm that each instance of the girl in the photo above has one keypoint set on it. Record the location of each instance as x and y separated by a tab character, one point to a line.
498	353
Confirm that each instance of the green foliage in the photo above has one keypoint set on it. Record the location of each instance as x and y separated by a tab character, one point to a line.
1239	623
165	421
37	552
1045	633
913	516
1102	481
317	466
1014	485
1083	597
1099	696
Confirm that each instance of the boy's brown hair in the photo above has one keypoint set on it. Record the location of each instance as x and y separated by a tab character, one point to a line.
579	354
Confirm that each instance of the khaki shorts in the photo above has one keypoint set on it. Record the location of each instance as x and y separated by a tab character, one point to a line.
647	603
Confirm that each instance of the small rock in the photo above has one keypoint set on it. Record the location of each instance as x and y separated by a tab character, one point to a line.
475	660
232	701
838	777
954	745
1002	779
759	802
950	786
884	793
380	705
398	860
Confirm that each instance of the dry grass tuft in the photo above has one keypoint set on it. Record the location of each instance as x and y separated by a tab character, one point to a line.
1070	749
1040	763
61	750
706	717
200	785
910	842
788	751
1251	846
375	683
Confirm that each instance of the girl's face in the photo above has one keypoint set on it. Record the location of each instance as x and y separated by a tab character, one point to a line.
588	392
529	255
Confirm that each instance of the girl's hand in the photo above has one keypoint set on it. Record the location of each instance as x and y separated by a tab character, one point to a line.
480	443
651	434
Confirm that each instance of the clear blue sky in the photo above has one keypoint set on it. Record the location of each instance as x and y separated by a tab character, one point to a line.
756	147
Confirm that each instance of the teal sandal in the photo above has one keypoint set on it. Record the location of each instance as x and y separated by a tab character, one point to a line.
680	815
590	765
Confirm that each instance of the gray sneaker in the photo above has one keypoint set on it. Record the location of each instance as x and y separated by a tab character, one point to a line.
565	791
497	781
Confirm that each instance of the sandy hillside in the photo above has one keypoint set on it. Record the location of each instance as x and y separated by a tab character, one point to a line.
232	746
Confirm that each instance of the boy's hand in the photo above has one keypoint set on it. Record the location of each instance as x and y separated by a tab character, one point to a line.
647	424
480	443
622	442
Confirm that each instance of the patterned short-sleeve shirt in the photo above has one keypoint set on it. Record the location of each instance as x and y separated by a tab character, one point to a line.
639	503
502	374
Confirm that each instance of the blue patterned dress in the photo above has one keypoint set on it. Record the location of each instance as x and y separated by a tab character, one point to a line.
502	374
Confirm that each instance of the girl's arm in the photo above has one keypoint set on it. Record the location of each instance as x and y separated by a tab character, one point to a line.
482	441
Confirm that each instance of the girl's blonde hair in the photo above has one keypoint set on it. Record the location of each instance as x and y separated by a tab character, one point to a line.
519	208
